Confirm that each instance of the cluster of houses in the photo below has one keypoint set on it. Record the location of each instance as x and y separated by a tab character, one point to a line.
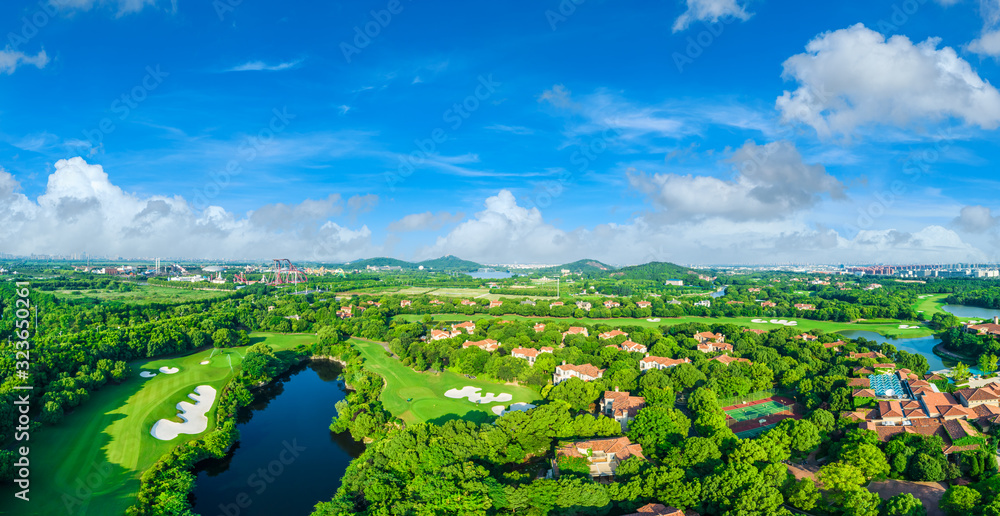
920	408
992	329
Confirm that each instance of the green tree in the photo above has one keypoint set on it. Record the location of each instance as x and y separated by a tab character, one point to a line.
868	458
904	504
960	372
659	429
223	338
987	363
802	494
959	500
260	361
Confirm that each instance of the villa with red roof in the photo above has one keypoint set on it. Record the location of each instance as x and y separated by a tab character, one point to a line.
657	509
710	347
437	302
603	455
808	337
643	304
585	372
440	334
621	406
575	330
649	362
834	345
767	304
753	330
494	304
529	354
612	334
467	326
488	345
539	328
466	302
404	303
556	303
985	329
803	306
707	336
612	304
726	359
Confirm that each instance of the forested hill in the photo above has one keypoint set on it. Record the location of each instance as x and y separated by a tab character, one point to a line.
658	271
450	263
380	262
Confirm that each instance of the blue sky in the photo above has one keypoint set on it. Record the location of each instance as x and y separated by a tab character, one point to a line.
698	131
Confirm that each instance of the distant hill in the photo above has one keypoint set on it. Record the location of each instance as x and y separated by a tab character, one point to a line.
380	262
450	263
586	266
659	271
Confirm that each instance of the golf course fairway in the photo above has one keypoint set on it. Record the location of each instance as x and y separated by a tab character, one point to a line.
426	390
91	461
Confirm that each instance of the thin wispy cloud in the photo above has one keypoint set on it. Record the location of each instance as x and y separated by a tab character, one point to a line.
261	66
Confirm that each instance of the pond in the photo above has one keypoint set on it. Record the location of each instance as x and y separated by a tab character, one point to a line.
971	311
921	345
287	459
491	275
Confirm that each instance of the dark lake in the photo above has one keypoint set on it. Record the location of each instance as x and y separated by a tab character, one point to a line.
287	459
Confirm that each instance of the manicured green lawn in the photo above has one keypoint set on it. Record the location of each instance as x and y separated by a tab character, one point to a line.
885	328
143	294
90	463
427	389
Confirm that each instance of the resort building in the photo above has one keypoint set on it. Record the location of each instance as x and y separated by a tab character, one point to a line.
803	306
494	304
529	354
585	372
726	360
467	326
768	304
643	304
488	345
707	336
575	330
539	328
657	509
711	347
649	362
405	303
603	455
621	406
612	334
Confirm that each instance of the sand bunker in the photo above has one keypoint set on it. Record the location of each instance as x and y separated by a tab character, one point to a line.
473	394
203	362
195	416
655	319
905	327
147	374
168	370
775	321
523	407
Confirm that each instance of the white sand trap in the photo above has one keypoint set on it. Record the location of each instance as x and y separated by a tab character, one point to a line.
523	407
195	416
758	321
655	319
203	362
147	374
473	394
168	370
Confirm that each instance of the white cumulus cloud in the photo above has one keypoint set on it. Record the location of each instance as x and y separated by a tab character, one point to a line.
854	77
709	11
771	182
10	59
82	210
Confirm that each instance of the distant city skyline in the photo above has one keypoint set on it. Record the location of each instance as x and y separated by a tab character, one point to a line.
697	132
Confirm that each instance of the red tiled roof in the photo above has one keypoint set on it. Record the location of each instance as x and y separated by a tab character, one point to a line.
585	369
657	509
726	359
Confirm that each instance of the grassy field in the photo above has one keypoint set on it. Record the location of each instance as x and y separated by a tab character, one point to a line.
889	329
143	294
90	463
469	293
427	390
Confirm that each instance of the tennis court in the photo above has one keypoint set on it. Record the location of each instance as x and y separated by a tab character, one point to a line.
757	411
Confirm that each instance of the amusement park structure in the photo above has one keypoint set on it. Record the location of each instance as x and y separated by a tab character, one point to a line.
283	272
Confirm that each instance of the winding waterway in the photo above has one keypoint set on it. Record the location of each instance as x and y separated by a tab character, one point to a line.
971	311
287	459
